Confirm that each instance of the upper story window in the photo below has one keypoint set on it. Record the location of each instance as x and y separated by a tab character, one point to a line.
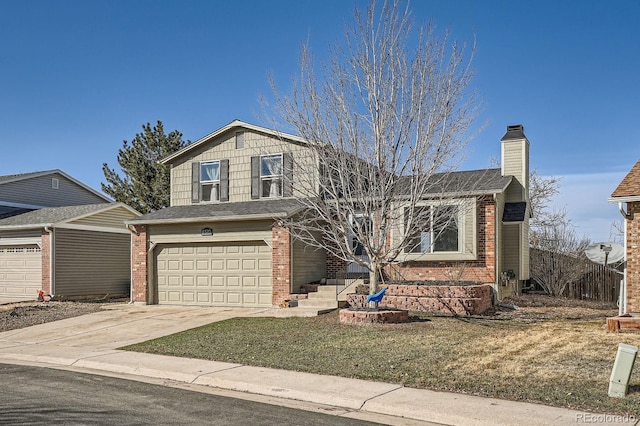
210	181
437	231
271	176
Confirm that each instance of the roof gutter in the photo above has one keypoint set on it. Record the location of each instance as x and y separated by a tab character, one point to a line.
31	226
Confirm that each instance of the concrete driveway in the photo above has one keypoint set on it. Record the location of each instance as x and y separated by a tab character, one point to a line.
120	325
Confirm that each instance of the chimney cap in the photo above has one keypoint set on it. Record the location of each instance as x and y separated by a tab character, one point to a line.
514	131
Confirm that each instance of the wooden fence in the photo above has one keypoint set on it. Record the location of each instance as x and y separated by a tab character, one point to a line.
598	283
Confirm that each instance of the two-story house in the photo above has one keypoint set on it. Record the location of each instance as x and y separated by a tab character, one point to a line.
221	242
62	237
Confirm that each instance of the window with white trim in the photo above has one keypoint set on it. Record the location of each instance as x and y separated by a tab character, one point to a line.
436	229
210	181
271	173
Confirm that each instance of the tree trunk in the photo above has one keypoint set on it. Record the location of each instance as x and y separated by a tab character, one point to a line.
373	283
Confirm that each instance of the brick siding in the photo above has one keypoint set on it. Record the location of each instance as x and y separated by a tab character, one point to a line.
46	262
633	257
281	264
139	270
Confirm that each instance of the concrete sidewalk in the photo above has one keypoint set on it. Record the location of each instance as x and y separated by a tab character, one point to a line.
88	343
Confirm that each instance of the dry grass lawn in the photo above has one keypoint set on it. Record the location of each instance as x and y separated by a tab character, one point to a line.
548	355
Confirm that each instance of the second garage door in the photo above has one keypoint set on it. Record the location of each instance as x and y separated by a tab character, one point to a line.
221	274
20	271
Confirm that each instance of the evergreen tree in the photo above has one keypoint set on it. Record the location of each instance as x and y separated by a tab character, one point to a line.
145	185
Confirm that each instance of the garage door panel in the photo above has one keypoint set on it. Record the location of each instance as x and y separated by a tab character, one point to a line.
220	274
20	271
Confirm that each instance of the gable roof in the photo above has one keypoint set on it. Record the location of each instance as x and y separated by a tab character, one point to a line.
24	176
235	124
629	188
56	216
243	210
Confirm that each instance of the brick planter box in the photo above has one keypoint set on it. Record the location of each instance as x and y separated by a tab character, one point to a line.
448	300
349	316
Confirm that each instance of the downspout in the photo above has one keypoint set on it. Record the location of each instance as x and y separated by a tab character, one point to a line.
51	262
151	275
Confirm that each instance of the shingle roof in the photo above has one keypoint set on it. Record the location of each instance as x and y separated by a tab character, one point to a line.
514	212
630	185
8	211
258	209
51	215
25	175
470	182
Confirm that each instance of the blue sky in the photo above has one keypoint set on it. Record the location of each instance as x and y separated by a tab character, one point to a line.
79	77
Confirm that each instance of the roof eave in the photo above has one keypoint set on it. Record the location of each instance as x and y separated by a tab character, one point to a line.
625	199
233	218
27	226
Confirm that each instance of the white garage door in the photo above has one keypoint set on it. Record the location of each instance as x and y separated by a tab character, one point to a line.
221	274
20	271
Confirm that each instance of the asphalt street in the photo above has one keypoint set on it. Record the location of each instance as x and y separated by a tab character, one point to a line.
39	396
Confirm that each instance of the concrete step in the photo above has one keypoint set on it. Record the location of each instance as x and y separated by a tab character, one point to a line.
318	303
321	296
327	289
300	312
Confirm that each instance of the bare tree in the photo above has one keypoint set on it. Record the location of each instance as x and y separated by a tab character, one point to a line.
387	119
558	258
542	190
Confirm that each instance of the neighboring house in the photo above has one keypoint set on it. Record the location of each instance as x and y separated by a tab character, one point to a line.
628	192
220	242
51	188
62	237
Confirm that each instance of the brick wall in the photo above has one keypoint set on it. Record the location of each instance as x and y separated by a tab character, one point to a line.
139	270
448	300
281	264
633	257
46	262
482	269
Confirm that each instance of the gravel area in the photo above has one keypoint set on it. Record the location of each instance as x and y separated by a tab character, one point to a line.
25	314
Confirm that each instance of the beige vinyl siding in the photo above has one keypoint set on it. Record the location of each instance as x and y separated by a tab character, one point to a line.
113	218
524	269
224	147
38	191
91	263
514	164
22	233
222	231
512	253
309	264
